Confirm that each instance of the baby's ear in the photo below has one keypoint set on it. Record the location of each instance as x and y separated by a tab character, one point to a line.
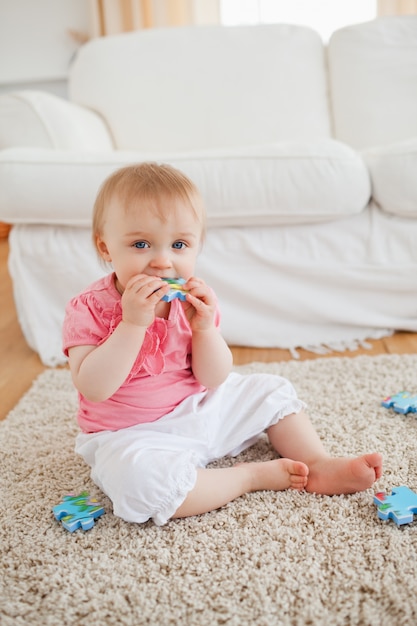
102	249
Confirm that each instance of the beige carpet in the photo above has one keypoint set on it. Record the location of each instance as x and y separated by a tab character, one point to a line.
266	559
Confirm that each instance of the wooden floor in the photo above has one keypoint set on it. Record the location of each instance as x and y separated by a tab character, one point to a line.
19	365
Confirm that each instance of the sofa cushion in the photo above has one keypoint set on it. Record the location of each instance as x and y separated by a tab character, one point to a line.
393	172
373	81
285	183
192	88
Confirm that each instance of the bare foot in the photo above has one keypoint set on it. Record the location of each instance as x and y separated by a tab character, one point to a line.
332	476
277	475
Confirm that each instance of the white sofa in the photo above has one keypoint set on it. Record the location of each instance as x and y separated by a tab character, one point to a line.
306	156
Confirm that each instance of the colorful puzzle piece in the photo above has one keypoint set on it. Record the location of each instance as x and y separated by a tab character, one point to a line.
78	511
402	402
176	289
399	506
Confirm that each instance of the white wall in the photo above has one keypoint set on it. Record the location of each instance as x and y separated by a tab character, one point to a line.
36	48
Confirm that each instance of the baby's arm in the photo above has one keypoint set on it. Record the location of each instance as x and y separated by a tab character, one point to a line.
98	371
211	358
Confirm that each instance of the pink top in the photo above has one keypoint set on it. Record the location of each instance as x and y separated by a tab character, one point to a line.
161	376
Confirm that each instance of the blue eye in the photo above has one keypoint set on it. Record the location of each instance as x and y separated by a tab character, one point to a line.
140	245
178	245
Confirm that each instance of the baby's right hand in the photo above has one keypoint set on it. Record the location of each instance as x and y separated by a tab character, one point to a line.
140	297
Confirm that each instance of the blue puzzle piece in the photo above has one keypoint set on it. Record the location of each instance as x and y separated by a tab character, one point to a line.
399	506
402	402
176	290
78	511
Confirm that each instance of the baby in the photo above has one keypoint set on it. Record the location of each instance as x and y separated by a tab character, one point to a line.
157	398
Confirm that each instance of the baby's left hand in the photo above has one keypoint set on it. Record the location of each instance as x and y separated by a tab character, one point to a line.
200	304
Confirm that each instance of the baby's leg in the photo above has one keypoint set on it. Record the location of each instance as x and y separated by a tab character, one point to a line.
216	487
296	437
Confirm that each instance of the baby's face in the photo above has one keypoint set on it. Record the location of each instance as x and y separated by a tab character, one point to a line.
138	241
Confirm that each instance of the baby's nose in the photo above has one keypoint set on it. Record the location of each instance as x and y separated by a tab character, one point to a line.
161	260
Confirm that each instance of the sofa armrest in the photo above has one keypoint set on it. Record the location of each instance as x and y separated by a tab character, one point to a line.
42	120
393	170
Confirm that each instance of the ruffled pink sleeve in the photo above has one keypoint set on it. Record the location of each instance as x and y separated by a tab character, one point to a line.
88	321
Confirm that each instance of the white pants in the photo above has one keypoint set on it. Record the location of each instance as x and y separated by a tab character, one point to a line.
147	470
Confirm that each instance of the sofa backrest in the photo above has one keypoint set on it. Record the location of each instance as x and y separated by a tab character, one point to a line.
373	81
205	87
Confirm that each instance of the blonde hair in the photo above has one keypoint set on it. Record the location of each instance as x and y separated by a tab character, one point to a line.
148	182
